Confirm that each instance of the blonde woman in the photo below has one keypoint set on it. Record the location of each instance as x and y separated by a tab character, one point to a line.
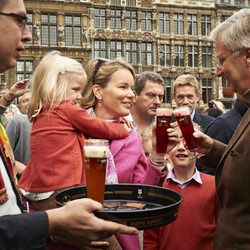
109	95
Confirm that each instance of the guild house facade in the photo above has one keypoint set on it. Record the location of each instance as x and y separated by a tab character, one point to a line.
169	37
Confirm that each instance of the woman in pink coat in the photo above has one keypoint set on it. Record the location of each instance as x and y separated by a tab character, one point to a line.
109	95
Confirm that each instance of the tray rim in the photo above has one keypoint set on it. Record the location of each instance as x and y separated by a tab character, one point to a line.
177	203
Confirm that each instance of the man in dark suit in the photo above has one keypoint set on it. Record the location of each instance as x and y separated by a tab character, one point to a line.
74	223
232	161
223	127
186	92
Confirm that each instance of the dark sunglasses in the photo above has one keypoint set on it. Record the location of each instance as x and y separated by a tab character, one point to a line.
100	61
21	20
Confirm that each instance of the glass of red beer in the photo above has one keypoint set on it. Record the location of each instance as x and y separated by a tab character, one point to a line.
163	120
182	116
96	153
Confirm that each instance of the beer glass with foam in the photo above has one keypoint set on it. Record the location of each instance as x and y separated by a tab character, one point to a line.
182	115
163	120
96	153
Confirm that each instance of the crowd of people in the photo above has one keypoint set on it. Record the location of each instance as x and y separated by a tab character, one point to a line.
41	147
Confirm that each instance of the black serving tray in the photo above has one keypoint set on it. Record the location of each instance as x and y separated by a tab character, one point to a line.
140	206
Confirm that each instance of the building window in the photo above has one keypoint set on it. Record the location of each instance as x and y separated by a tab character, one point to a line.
131	3
24	69
131	52
100	48
146	54
131	20
179	55
192	24
115	2
178	24
224	18
2	78
165	55
192	56
146	21
116	19
30	26
116	49
164	23
239	2
72	30
206	57
224	82
48	29
168	90
205	25
206	90
100	18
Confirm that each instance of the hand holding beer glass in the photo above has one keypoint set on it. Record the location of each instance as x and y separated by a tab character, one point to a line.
163	120
160	137
96	153
183	118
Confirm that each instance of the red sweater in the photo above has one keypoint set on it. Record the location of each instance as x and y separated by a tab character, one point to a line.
194	227
56	145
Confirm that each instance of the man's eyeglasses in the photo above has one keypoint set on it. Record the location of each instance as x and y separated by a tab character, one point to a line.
100	61
220	61
21	20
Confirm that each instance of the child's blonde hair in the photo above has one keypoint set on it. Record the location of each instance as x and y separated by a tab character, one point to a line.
50	80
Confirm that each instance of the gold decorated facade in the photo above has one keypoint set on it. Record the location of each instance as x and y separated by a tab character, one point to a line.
169	37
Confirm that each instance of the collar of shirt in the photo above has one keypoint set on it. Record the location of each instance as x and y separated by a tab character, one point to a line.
192	114
91	112
131	120
182	184
240	107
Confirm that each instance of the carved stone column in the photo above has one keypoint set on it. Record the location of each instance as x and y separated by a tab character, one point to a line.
60	29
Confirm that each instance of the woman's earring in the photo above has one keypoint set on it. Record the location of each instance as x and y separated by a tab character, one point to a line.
99	103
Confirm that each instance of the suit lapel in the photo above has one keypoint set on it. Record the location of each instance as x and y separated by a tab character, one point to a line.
197	117
116	146
238	133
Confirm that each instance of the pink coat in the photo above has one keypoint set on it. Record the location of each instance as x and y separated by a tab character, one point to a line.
132	166
131	163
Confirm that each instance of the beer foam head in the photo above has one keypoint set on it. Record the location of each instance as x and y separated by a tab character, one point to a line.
181	111
93	151
163	112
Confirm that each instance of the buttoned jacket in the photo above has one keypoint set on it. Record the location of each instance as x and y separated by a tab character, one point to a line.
202	120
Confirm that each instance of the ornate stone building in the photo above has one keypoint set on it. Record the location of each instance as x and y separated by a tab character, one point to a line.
165	36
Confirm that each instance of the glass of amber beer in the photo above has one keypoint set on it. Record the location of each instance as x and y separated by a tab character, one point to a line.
182	115
163	120
96	153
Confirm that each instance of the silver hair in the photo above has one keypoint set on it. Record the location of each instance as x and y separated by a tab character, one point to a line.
234	33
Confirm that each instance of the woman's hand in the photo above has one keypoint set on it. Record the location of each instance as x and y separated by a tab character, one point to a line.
174	136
